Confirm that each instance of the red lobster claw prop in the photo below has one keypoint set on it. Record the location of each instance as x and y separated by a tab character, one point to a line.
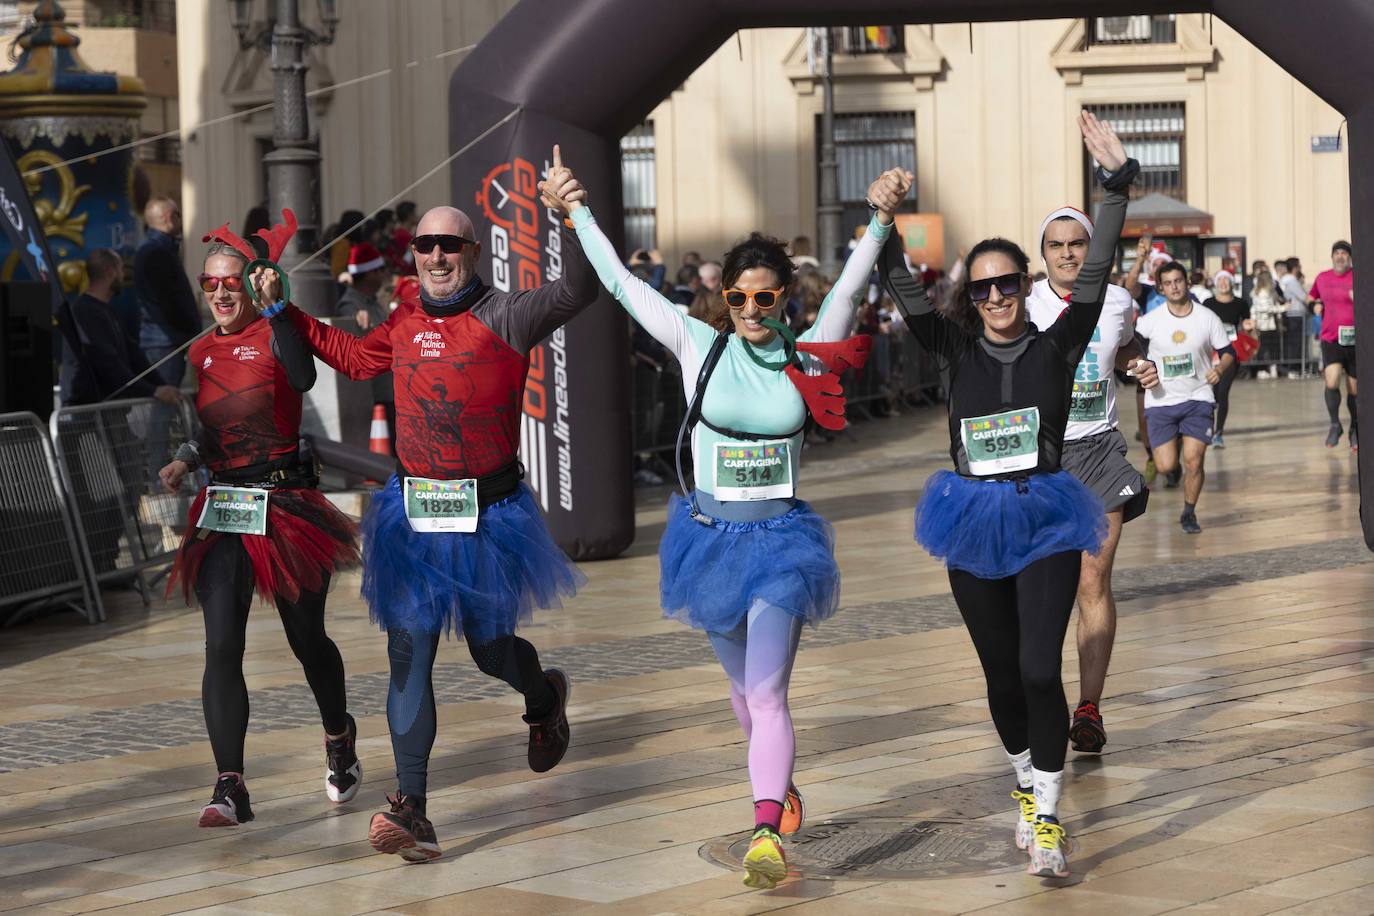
822	393
277	237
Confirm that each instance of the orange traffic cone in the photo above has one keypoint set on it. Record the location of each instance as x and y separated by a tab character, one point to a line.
380	440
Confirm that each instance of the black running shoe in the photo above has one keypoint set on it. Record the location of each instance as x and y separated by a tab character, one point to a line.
1087	732
1188	522
1354	438
229	805
1333	435
1172	478
549	736
404	831
343	774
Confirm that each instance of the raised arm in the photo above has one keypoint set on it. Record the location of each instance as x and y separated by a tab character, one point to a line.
355	357
1074	328
662	319
836	314
292	352
942	338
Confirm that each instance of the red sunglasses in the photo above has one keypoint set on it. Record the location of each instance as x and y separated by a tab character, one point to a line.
209	283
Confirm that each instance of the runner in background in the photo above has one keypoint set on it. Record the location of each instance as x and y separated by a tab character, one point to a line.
1333	295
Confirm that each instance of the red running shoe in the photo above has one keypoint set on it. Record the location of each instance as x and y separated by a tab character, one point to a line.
1086	731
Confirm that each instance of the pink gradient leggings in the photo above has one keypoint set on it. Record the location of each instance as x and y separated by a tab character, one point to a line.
757	657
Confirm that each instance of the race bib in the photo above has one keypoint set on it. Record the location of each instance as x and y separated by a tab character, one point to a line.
1002	442
748	472
1230	331
1088	401
234	510
1179	366
1345	335
441	505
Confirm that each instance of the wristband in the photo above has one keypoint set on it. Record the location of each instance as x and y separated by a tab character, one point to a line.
188	454
275	309
871	205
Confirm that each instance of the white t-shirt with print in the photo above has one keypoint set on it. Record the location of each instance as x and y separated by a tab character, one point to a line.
1181	349
1093	409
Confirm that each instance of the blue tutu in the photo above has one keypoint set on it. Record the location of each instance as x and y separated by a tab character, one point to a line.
480	585
711	575
987	528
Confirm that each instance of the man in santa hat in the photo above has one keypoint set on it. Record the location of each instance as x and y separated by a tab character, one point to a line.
367	274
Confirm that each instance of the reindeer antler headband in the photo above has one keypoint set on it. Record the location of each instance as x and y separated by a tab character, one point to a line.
276	238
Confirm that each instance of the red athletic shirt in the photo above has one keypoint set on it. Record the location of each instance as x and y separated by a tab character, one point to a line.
250	412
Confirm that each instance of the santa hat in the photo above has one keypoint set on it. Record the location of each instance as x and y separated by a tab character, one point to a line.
365	257
1072	213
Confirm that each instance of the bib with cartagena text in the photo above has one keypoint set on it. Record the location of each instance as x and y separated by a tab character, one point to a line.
1345	335
1178	366
1089	401
234	510
441	505
1002	442
745	472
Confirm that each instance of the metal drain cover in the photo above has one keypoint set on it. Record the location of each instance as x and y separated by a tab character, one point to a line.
885	847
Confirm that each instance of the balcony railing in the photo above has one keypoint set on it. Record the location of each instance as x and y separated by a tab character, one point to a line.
154	15
1132	30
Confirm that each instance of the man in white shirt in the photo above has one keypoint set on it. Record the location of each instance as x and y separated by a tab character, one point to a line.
1182	337
1094	449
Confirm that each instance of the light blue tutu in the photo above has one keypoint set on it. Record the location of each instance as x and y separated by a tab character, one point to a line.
989	529
480	585
710	575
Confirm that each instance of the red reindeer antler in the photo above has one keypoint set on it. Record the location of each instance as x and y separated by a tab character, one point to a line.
279	235
223	234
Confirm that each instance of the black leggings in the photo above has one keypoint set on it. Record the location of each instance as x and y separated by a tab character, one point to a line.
410	710
1222	392
225	589
1018	626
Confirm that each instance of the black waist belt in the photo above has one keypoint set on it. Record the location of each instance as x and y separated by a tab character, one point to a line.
289	473
491	488
740	434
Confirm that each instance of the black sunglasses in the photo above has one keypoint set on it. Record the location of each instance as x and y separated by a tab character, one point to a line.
448	244
1007	285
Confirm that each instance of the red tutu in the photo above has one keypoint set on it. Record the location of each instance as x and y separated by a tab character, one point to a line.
307	538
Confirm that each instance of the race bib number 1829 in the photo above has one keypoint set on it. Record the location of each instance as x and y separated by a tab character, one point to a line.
441	505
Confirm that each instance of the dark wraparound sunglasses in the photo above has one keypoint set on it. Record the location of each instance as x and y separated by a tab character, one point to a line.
1007	285
448	244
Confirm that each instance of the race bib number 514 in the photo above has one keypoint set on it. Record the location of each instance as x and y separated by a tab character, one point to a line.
745	472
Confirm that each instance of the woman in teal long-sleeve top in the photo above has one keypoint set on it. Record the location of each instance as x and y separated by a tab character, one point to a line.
742	557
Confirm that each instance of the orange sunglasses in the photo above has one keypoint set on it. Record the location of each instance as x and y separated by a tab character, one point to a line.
765	299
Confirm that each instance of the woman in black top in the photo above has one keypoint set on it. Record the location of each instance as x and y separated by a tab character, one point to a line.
1010	524
1234	313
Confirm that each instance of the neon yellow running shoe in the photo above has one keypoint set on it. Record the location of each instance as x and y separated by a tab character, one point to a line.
1025	823
764	863
793	812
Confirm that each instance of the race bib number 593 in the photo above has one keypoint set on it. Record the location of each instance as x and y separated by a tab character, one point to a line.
1002	442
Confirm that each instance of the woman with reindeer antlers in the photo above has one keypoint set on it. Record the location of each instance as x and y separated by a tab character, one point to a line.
261	525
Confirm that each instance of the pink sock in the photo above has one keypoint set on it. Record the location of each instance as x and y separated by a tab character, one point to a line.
768	813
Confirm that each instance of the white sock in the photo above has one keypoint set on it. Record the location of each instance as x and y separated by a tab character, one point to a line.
1047	786
1021	763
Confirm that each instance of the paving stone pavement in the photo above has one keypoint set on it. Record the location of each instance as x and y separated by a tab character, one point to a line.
111	733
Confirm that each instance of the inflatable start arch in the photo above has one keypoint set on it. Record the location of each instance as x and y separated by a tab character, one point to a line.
583	73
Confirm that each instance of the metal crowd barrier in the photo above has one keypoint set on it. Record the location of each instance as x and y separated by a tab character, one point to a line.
40	555
109	455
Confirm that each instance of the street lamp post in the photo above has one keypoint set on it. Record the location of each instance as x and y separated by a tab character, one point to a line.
829	208
293	166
